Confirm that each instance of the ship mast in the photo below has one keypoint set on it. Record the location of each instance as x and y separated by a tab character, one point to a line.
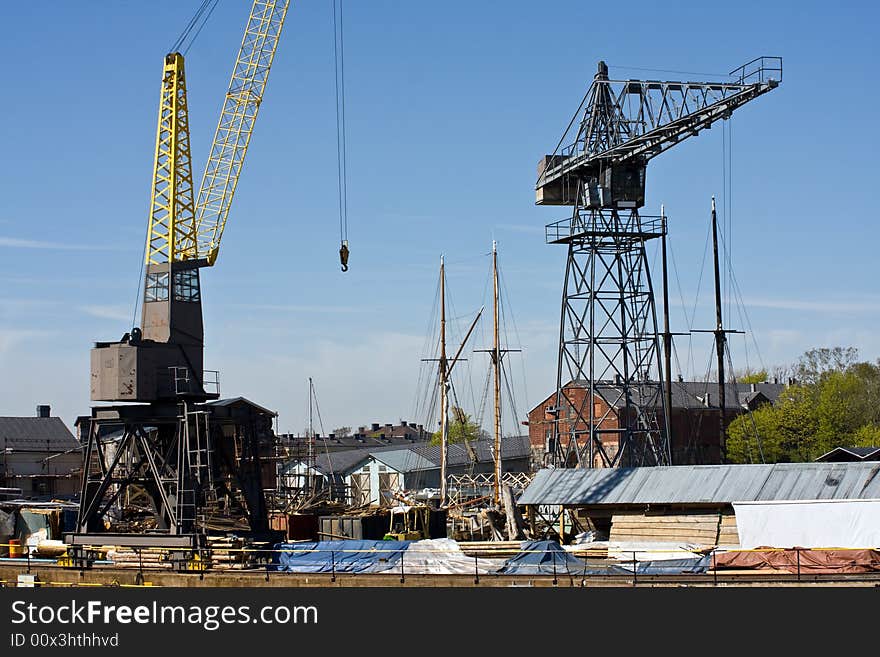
444	387
496	363
496	353
445	370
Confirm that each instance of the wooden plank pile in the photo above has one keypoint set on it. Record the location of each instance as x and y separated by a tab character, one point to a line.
588	551
728	535
137	558
223	553
233	553
490	549
700	529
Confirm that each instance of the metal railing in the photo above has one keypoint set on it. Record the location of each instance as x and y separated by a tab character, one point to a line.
586	224
627	567
184	384
759	70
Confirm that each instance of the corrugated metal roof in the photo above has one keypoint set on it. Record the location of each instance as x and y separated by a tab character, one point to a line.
404	460
694	484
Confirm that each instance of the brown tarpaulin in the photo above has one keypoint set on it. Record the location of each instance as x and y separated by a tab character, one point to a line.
811	561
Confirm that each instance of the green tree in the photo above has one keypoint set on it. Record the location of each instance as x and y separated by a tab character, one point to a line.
461	427
748	376
754	437
821	360
866	436
839	409
835	404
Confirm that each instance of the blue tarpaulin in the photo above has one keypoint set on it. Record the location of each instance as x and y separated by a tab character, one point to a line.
349	556
669	566
542	558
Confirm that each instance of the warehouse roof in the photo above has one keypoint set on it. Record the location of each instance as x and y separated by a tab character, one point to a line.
685	394
418	457
702	484
240	401
36	434
851	454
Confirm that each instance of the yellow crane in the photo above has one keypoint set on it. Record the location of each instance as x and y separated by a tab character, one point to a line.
163	359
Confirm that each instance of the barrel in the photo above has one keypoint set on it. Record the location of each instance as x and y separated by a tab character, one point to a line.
15	549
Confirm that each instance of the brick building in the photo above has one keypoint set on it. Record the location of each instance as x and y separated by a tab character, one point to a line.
694	417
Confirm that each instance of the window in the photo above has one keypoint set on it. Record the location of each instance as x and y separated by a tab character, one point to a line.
360	489
156	287
388	482
186	285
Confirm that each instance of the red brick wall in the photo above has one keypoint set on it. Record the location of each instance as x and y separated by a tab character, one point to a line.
694	438
541	422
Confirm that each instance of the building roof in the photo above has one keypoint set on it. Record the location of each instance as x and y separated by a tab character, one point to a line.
704	484
851	454
235	401
419	457
36	434
687	394
408	460
340	462
338	443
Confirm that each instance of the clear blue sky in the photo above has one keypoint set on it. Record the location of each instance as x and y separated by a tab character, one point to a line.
449	107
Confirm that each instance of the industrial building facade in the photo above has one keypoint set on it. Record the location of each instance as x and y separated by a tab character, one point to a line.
39	456
694	417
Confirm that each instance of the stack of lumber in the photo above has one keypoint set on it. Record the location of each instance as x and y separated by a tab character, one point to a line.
588	551
490	549
700	529
233	553
470	528
131	558
728	534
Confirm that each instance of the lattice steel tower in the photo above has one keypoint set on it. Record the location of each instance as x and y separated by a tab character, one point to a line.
609	408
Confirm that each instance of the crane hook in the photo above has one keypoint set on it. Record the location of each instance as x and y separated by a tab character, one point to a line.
343	255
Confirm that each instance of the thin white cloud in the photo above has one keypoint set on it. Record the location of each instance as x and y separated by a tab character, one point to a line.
521	228
107	312
18	243
10	338
811	305
297	308
867	305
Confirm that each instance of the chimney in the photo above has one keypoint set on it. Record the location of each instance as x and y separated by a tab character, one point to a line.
375	426
388	425
43	410
362	429
775	379
404	424
754	387
680	378
331	436
708	399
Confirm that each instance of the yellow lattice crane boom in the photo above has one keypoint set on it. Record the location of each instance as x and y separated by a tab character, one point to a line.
236	122
163	359
172	230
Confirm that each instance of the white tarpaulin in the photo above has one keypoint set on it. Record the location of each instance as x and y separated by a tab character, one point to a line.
809	524
443	556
